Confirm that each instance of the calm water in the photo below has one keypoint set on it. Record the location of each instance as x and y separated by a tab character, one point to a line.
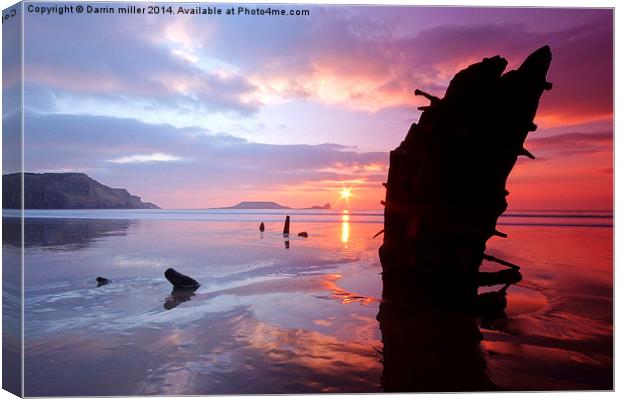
277	317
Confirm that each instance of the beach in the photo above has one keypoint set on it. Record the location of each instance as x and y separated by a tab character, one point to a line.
273	316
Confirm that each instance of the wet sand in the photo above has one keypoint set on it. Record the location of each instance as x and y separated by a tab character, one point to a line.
559	333
273	320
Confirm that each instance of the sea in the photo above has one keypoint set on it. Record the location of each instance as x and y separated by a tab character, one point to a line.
280	314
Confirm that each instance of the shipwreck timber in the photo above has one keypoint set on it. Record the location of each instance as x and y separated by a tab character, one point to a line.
446	189
446	185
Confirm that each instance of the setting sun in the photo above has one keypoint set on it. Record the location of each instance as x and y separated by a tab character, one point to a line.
345	194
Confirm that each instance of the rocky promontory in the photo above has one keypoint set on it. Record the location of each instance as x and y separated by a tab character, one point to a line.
66	191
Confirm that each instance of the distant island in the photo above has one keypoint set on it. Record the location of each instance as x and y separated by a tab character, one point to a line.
66	191
269	205
326	206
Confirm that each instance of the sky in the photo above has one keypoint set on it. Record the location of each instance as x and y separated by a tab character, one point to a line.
206	111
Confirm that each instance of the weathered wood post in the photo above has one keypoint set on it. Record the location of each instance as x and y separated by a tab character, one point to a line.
446	185
446	189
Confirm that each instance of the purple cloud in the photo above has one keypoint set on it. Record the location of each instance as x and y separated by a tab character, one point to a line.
150	158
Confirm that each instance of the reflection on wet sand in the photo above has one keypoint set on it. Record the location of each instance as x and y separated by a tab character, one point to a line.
430	349
329	282
267	320
178	296
61	234
425	347
344	235
431	340
311	283
11	308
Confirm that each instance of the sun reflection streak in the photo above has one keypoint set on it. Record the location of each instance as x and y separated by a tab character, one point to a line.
344	234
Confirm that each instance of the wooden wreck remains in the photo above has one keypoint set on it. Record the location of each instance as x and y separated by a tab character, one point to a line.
446	185
446	189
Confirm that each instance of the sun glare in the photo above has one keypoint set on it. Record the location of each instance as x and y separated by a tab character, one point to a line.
345	194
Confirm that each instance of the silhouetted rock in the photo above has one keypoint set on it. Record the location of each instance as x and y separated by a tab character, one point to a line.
66	191
261	227
180	280
102	281
303	234
447	180
287	225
